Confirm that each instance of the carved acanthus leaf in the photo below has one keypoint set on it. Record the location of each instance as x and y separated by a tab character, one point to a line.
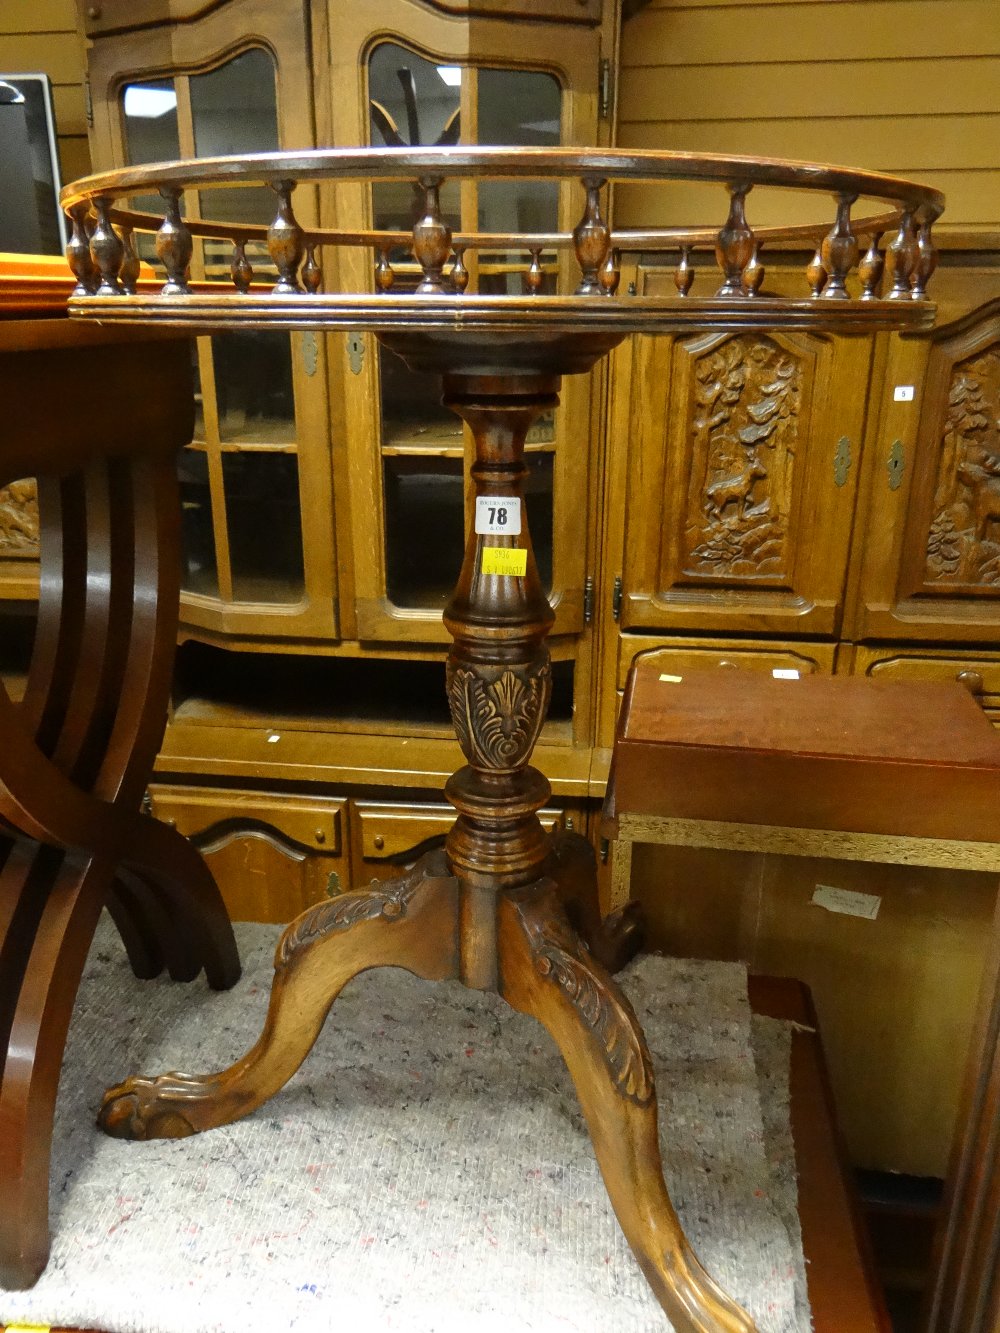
498	712
389	900
560	957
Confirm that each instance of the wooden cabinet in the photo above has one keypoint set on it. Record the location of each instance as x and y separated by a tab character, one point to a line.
744	447
273	854
931	568
324	500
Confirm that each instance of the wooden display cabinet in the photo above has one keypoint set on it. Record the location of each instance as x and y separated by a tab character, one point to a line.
323	498
930	570
749	442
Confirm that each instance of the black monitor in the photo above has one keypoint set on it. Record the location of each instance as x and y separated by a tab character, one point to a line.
31	221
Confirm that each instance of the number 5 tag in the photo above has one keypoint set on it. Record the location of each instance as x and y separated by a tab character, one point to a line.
498	515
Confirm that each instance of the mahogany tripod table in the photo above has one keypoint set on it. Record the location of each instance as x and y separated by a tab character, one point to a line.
502	907
78	747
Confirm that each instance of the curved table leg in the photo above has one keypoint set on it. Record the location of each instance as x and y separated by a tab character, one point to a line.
613	940
411	922
78	752
37	1005
546	972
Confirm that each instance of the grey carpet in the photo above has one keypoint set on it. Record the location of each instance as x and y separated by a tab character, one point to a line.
427	1169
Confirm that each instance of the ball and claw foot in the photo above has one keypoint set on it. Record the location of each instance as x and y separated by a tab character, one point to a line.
142	1108
410	922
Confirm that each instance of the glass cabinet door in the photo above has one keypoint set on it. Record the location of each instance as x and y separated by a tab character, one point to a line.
420	448
255	480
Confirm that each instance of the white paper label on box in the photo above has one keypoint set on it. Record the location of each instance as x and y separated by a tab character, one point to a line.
785	673
498	515
847	902
903	393
672	680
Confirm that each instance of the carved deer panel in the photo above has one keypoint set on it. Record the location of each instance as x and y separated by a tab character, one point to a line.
963	536
743	415
19	519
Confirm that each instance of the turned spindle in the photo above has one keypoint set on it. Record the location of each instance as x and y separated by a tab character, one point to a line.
107	250
591	237
839	250
684	272
240	268
130	261
816	274
431	239
735	243
384	275
871	268
174	246
78	255
900	258
610	275
926	260
459	273
286	242
753	274
534	276
312	274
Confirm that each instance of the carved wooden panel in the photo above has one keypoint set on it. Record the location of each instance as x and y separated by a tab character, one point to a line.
744	419
740	477
19	519
963	536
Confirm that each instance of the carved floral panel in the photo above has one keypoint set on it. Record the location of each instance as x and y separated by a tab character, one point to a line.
19	518
744	417
963	538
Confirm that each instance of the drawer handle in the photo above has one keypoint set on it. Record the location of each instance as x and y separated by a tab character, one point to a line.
972	680
379	842
724	662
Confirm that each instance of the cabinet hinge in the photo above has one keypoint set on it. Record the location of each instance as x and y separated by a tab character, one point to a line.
604	88
88	102
588	599
616	598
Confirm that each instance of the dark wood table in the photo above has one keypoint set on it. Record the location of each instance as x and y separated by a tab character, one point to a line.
96	415
502	906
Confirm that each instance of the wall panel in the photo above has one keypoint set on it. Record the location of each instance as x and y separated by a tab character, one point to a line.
42	37
904	86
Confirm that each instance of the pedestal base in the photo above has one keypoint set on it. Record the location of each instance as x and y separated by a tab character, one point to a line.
545	969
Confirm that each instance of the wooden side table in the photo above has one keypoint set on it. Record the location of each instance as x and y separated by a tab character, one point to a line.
503	907
855	769
96	416
849	768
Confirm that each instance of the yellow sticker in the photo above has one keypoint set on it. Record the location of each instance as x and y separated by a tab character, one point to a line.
505	560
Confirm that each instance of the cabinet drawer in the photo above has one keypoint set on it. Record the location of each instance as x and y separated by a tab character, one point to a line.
387	836
978	672
677	657
272	855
